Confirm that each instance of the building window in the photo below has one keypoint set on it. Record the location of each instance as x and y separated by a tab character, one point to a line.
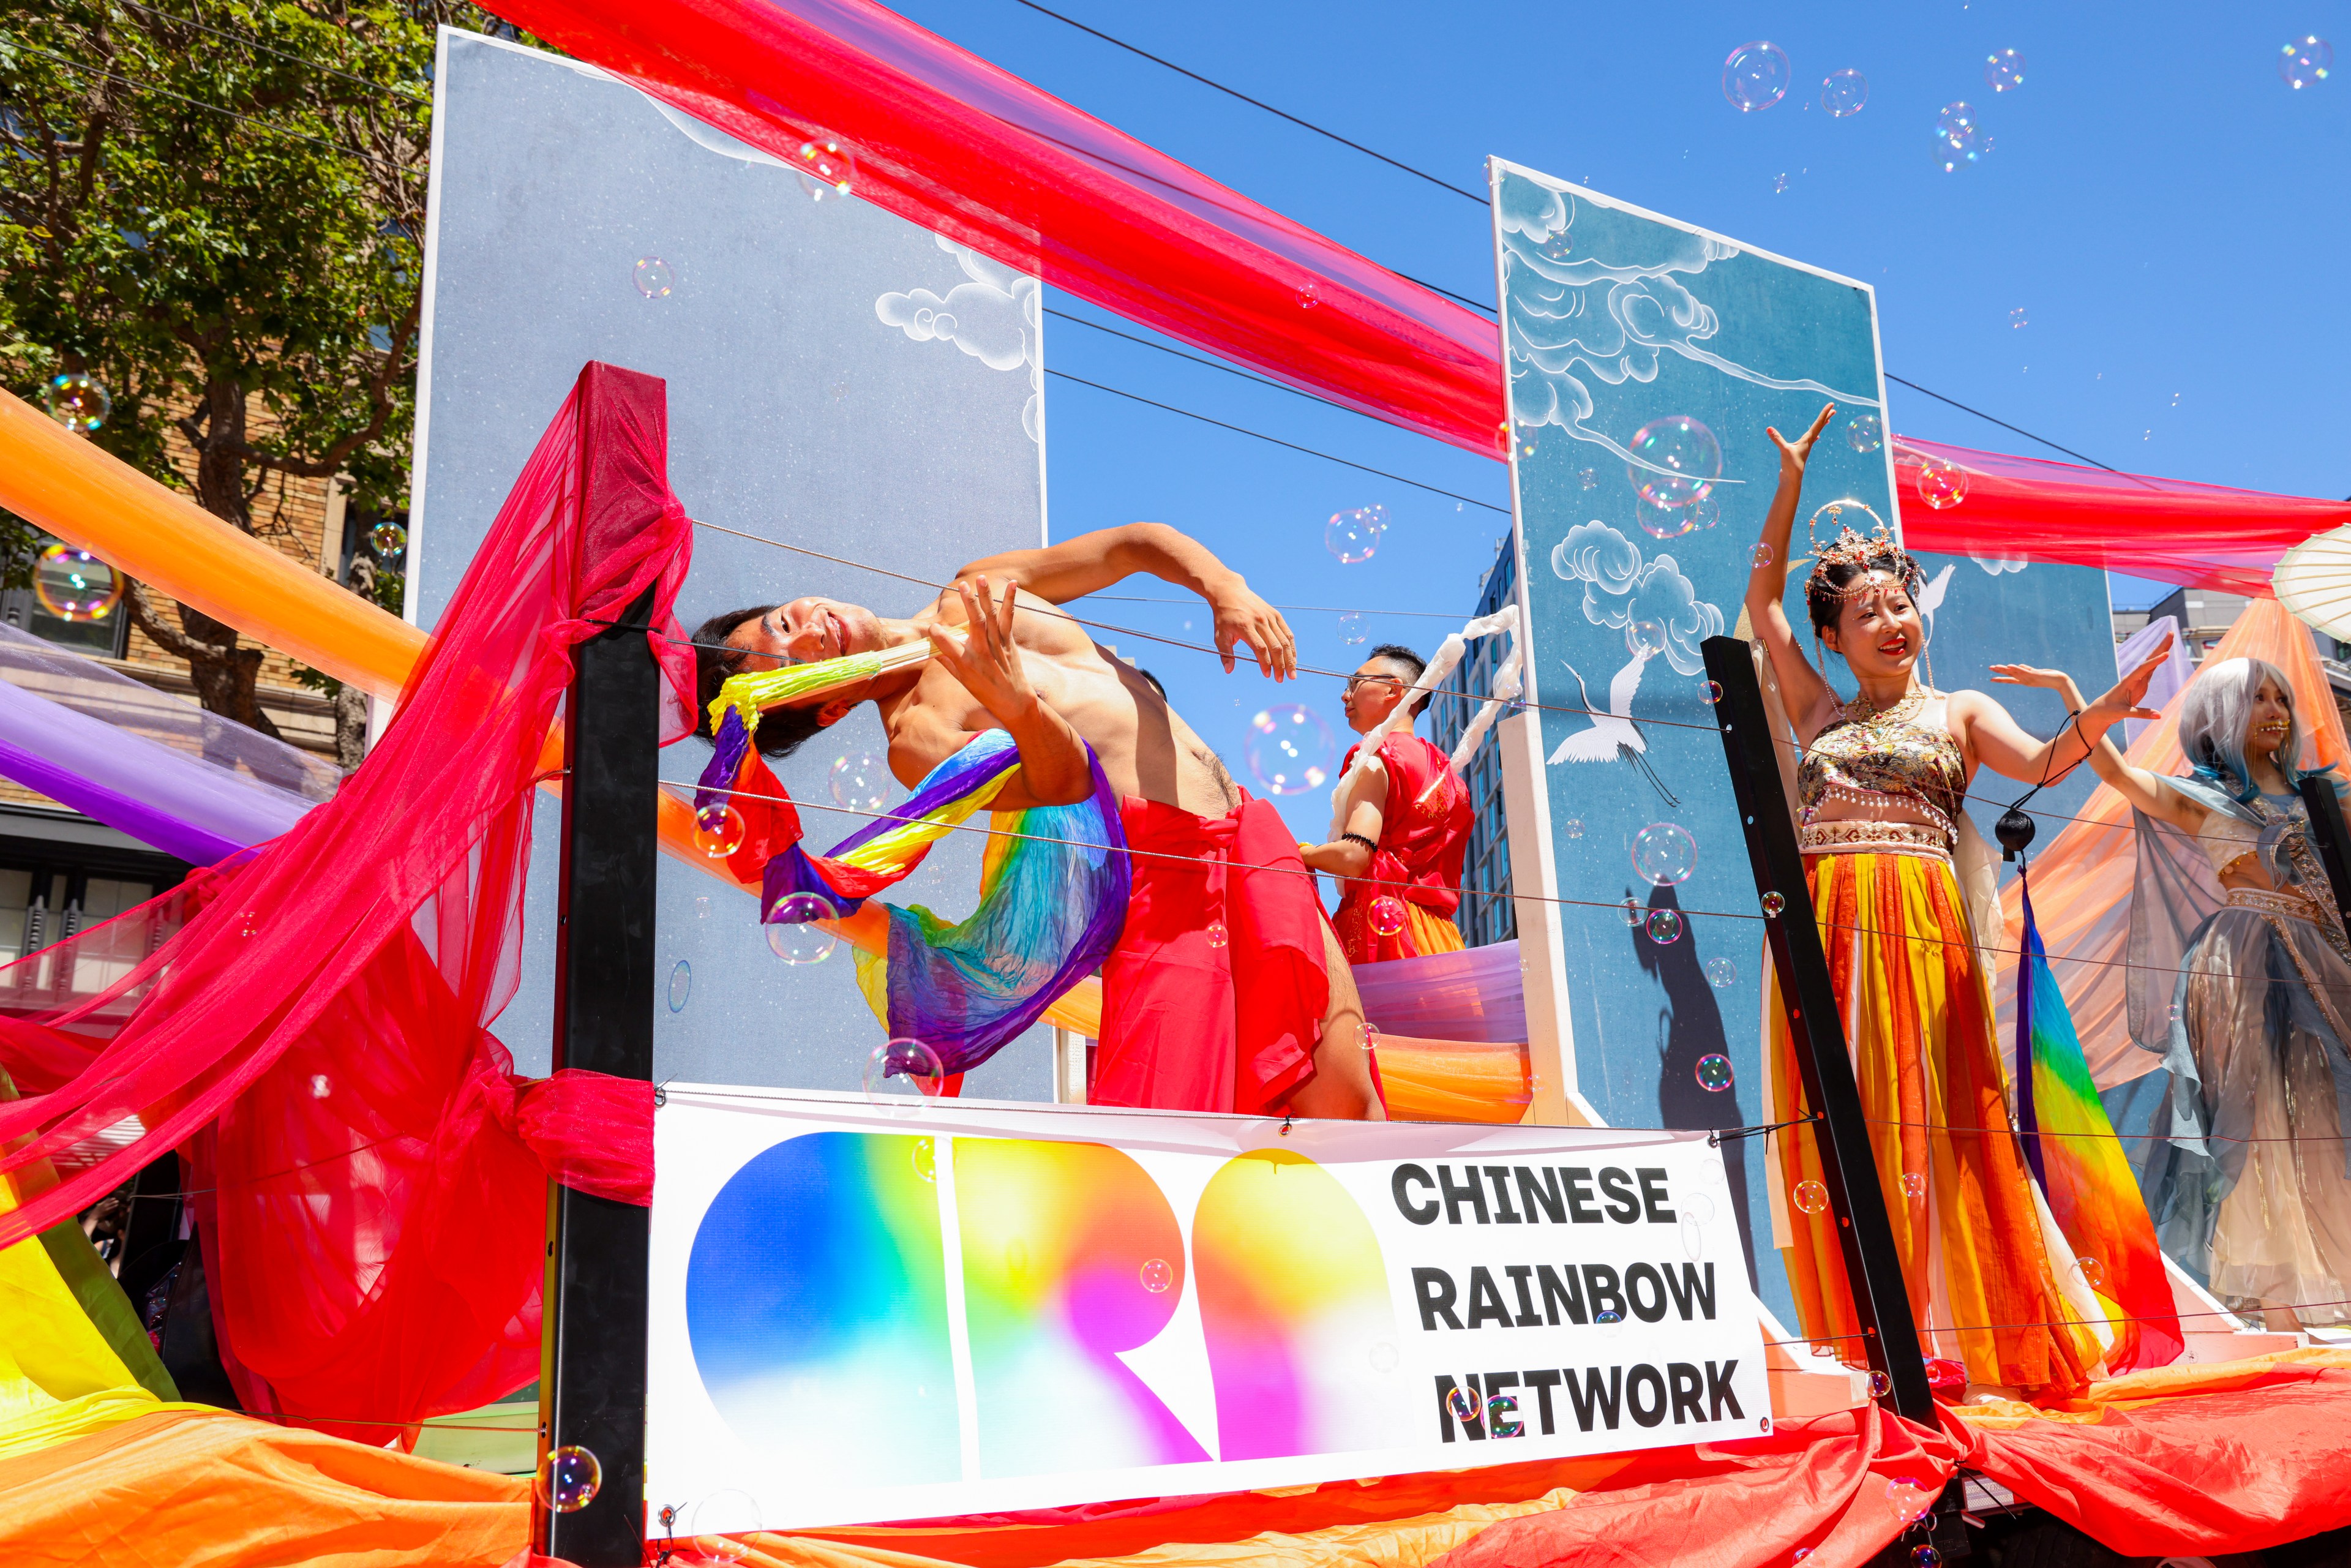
51	892
28	610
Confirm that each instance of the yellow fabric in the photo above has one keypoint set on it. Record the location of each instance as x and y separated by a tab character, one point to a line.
59	1377
2154	1383
1431	934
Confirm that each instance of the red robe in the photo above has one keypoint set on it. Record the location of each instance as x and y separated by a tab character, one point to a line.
1423	834
1213	1000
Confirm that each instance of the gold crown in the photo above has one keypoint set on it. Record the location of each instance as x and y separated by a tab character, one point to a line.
1878	551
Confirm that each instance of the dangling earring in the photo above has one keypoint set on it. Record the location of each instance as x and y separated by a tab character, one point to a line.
1926	657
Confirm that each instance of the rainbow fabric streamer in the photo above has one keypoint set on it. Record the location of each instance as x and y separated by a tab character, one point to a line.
2083	1171
1052	894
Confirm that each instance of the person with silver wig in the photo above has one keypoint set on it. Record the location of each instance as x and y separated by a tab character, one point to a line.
2241	981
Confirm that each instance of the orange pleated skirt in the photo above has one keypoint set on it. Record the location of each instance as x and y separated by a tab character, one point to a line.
1921	1032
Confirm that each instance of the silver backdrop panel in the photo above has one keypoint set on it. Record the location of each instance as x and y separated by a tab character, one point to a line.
839	379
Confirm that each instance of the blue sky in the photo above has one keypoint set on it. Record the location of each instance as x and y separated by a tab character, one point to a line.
2164	210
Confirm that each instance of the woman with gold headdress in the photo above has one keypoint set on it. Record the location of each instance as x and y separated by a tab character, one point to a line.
1881	790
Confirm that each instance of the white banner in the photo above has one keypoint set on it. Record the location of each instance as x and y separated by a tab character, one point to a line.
864	1313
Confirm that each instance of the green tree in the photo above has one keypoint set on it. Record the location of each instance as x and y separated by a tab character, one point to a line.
213	208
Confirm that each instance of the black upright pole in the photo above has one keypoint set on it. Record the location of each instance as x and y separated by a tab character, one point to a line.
1864	1234
2328	834
592	1360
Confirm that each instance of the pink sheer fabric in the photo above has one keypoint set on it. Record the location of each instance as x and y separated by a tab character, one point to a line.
307	1023
948	140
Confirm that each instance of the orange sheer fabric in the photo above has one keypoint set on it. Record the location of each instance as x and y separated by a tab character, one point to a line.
2084	876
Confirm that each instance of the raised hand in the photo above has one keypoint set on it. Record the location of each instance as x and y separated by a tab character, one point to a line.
2121	701
1793	453
1243	617
2057	681
984	657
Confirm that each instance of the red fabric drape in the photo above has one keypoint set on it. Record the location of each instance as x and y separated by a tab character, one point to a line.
2024	509
310	1023
948	140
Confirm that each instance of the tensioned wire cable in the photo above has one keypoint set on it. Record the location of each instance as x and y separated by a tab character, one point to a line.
1626	906
393	88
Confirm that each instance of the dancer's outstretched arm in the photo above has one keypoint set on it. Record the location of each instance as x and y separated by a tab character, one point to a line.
1092	562
1809	700
2145	791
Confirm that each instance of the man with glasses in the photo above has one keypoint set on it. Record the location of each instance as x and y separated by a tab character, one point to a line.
1403	826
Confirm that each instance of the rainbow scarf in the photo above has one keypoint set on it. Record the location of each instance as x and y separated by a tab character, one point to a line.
2082	1168
1052	894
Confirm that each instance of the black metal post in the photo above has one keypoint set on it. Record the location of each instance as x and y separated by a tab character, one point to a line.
1864	1234
2329	835
593	1361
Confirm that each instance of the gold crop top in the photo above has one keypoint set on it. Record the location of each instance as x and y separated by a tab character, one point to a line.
1865	760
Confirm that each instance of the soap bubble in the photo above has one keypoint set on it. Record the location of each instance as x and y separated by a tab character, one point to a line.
1288	750
1678	457
1354	536
1780	184
1772	903
2003	70
1709	692
1664	854
388	539
1157	1276
78	401
1500	1408
1385	916
793	935
826	168
1574	827
1910	1502
1665	926
716	1525
1697	1205
1588	477
1608	1320
653	277
1845	92
861	781
2092	1269
1755	76
1721	973
2305	60
1923	1555
1810	1197
1216	938
900	1073
681	985
1310	294
2016	318
1645	636
1761	556
75	585
926	1159
1351	628
1714	1073
1635	916
1864	432
568	1481
718	830
2173	1012
1383	1357
1957	139
1941	484
1463	1404
1914	1185
1880	1385
320	1086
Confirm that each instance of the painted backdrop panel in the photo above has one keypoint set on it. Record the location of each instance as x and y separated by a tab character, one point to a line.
1646	357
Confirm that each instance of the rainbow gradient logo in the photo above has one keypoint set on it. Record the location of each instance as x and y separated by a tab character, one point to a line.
842	1286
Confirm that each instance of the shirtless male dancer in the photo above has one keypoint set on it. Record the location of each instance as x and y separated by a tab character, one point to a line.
1227	990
